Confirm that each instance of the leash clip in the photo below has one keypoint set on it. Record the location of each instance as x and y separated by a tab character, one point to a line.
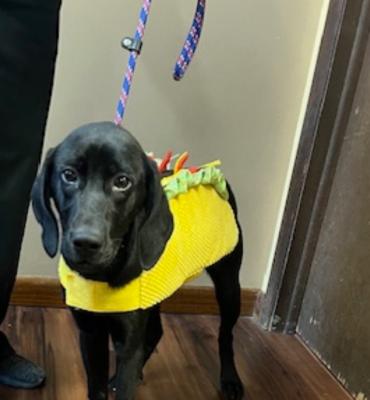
132	44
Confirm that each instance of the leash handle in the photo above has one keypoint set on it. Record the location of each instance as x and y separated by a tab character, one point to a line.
134	46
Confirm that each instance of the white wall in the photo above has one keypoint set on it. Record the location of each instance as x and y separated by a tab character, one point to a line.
241	100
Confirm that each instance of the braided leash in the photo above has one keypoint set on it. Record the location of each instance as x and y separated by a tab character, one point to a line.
134	46
191	42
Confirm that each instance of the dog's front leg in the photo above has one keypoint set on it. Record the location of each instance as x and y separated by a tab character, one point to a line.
95	352
128	371
128	334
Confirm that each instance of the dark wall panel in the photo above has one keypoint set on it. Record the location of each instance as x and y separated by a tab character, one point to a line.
335	317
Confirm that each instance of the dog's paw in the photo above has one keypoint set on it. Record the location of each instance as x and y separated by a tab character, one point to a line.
232	389
112	384
98	396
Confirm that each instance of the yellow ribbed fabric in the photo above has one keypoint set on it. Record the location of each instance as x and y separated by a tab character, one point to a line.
205	230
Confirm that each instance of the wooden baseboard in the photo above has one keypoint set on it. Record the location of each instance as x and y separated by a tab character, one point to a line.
46	292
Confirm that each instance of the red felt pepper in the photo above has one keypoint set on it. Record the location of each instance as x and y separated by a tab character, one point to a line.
163	166
193	169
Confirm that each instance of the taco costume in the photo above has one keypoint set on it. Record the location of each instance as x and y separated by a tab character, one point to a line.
205	230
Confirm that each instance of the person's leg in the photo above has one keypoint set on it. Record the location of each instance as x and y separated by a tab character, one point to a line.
28	32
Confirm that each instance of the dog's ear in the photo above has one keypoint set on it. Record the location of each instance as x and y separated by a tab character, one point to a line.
149	233
158	224
41	204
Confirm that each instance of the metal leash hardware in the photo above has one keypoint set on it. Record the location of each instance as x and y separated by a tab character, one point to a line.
134	46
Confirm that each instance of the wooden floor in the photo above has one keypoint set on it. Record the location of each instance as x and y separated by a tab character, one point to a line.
185	367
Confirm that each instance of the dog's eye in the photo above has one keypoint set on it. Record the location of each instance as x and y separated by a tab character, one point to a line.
69	176
121	183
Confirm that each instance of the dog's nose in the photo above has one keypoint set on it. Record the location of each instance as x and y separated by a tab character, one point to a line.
87	241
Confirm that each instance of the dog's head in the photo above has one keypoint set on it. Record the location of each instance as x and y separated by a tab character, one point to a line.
114	216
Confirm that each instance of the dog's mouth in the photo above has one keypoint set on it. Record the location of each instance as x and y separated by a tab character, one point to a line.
94	267
87	269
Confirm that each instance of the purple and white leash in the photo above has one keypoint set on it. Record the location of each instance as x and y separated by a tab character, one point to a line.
134	46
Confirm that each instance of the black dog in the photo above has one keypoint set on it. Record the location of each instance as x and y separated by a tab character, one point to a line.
115	221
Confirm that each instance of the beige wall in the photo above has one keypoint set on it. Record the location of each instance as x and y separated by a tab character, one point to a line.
240	101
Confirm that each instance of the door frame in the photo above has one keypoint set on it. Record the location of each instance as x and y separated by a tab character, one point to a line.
335	79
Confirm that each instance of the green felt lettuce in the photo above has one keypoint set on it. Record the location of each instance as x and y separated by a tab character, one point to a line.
184	180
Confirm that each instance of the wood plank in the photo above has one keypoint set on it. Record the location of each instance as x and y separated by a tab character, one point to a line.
37	292
46	292
185	365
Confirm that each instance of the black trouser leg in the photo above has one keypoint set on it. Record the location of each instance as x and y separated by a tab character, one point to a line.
28	44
